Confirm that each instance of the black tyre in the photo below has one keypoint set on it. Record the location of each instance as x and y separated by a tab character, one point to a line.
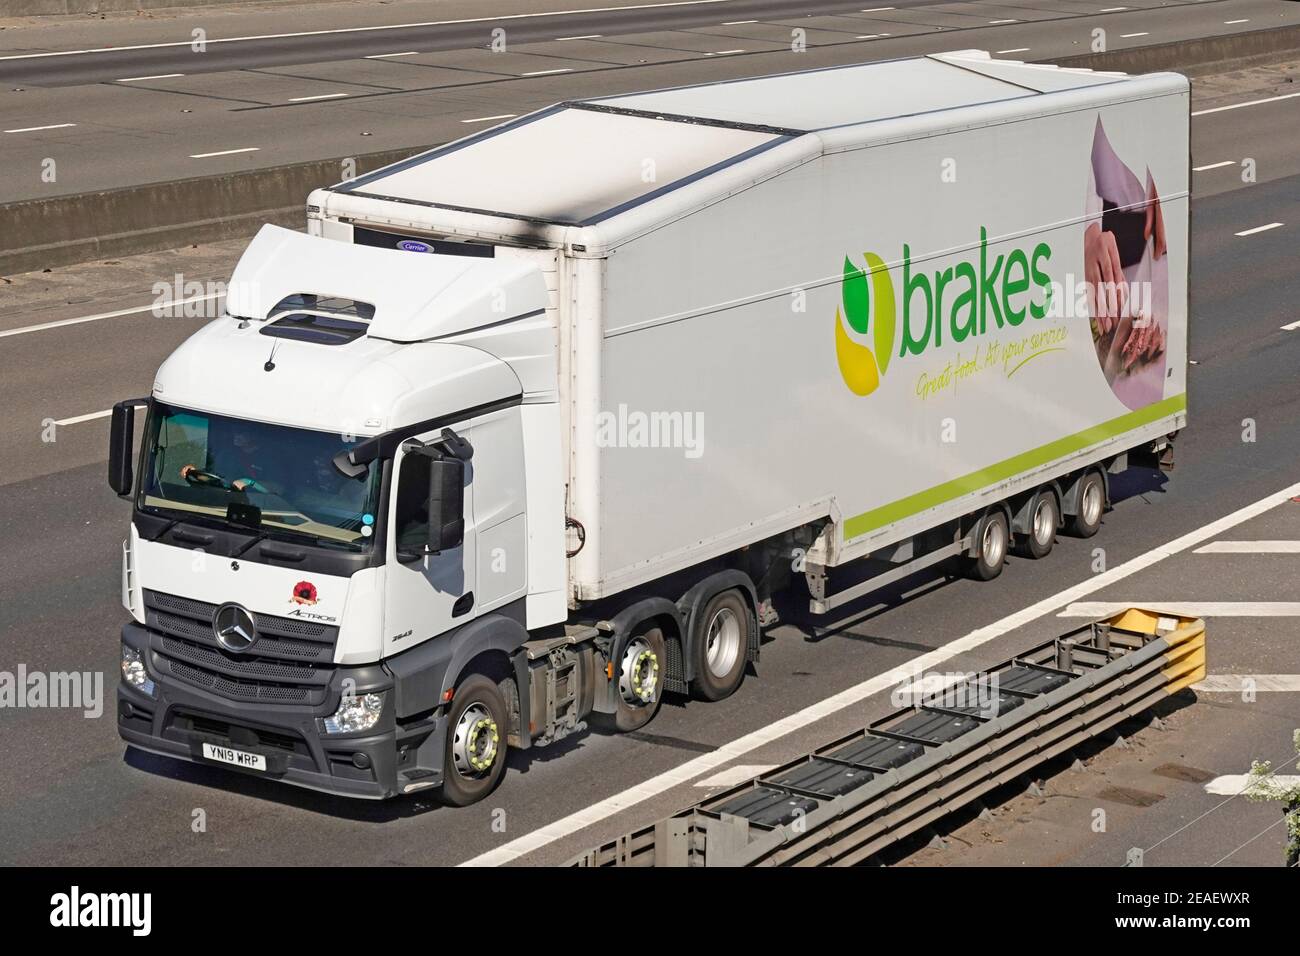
1044	519
720	647
475	757
991	540
639	680
1089	507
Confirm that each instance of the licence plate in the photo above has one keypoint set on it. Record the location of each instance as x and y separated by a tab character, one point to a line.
239	758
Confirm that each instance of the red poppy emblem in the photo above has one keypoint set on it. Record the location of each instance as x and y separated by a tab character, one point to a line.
304	592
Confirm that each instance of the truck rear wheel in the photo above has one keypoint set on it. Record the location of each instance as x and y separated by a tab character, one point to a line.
1088	510
639	673
720	648
1044	517
475	756
990	541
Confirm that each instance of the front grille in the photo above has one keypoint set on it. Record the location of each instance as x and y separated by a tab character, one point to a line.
290	663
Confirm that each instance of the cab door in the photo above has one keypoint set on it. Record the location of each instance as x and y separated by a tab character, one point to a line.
426	594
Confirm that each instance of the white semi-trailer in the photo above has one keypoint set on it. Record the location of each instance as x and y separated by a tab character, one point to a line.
531	427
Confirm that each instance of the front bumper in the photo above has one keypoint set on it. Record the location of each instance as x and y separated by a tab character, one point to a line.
181	717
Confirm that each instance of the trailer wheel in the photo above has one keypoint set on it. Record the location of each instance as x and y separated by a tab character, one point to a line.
1044	516
475	756
720	646
639	673
1092	502
991	539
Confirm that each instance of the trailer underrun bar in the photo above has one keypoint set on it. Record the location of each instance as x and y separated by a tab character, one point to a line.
847	801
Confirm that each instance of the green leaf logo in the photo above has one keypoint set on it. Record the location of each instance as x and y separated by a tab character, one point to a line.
860	366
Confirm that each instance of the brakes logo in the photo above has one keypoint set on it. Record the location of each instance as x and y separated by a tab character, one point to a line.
860	366
957	301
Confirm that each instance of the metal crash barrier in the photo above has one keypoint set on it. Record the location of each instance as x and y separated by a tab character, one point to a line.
847	801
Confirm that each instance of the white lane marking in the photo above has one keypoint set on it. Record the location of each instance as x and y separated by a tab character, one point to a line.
1188	608
1236	683
1237	106
1291	327
737	774
723	52
160	76
585	36
877	9
1250	547
996	22
1234	784
1228	23
1226	162
1112	9
697	766
1019	49
37	129
384	56
108	315
392	26
1129	36
318	96
84	418
871	36
567	69
486	119
736	23
225	152
1251	232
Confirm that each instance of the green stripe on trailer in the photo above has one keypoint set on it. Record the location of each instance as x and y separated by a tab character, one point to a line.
869	521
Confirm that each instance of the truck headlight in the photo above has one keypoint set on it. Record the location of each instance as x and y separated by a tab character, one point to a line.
355	714
134	672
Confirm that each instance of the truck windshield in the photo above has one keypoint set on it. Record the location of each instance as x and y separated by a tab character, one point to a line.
256	476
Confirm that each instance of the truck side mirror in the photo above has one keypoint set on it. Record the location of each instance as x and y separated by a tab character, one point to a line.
446	503
121	447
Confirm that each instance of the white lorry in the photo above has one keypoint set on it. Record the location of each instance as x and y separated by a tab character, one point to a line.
531	427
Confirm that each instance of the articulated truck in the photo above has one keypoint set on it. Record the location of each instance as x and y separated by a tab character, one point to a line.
527	431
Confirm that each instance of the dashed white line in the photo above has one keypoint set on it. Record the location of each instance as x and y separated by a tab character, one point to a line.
318	96
1250	547
60	323
1188	608
140	79
1237	683
698	766
1112	9
1228	23
723	52
1226	162
1129	36
1237	106
567	69
1251	232
585	36
736	23
385	56
225	152
77	420
996	22
877	9
376	29
1019	49
488	119
37	129
871	36
1291	326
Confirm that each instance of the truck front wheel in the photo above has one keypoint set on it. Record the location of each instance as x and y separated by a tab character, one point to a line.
639	675
476	742
720	646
